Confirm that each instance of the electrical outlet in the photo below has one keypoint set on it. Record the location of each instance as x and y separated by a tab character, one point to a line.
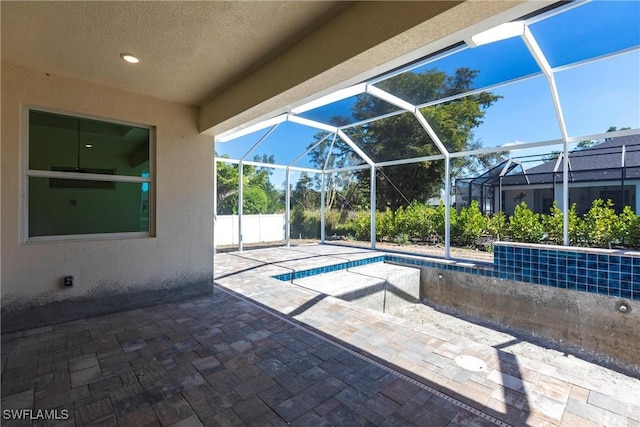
68	281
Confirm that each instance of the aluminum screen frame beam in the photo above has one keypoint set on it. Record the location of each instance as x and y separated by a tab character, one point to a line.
540	58
401	103
287	209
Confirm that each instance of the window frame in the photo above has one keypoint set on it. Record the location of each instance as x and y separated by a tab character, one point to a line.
27	173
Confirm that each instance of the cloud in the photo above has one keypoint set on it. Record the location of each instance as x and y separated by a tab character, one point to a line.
511	144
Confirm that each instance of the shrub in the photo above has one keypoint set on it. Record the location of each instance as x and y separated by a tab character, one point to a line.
361	226
305	224
629	228
401	239
600	226
497	226
525	226
399	222
255	201
554	225
470	224
437	218
415	220
385	225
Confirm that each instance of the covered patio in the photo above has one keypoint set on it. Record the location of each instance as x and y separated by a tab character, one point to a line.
141	323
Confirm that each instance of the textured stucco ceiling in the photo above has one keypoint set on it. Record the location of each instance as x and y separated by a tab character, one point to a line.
189	50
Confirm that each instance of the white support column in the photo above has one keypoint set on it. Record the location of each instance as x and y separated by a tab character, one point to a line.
447	207
215	203
373	207
538	55
240	200
287	209
322	207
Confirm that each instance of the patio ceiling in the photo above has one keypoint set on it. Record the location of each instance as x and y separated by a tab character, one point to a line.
189	51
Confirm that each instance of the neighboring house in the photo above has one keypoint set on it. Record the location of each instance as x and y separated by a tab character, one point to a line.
608	170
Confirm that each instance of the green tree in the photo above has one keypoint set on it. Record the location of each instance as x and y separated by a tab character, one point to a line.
262	180
344	191
305	195
254	201
257	188
227	191
402	136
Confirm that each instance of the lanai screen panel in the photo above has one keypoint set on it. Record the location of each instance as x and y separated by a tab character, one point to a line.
588	31
601	94
469	69
239	147
393	138
350	110
286	142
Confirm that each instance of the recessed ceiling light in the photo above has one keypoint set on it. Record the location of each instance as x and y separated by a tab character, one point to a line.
88	145
129	58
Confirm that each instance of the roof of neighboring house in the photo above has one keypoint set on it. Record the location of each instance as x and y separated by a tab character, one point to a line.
600	162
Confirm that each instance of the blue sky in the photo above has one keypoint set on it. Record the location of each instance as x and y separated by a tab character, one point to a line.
593	96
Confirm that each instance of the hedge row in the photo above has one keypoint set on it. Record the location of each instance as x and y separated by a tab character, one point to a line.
599	227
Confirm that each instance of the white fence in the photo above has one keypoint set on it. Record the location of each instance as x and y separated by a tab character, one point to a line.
255	229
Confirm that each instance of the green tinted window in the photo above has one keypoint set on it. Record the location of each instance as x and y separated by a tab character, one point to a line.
70	144
59	207
114	197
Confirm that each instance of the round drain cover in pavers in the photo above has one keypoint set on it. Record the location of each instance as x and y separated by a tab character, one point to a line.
471	363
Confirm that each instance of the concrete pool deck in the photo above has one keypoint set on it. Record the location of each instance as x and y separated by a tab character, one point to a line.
264	352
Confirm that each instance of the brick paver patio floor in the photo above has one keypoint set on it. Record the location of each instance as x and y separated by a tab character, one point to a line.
263	352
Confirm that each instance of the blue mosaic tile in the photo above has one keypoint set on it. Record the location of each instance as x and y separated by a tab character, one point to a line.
596	273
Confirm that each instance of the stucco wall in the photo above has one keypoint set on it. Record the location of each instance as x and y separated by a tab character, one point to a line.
109	274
